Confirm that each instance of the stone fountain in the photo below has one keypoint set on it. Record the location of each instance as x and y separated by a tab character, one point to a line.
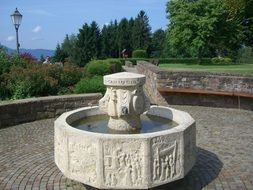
116	158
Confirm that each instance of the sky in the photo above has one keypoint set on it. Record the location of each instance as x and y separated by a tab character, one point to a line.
46	22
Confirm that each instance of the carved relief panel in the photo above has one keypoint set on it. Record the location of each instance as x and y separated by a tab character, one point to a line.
83	158
165	163
123	163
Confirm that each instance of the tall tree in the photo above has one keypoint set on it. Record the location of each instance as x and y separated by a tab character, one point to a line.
68	45
201	28
158	43
124	36
109	43
141	31
87	44
95	39
83	52
59	55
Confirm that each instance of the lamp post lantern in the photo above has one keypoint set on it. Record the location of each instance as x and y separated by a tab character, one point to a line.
16	20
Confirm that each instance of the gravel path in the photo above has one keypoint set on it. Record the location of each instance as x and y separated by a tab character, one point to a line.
225	154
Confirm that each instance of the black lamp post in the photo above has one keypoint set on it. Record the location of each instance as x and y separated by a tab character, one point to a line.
16	20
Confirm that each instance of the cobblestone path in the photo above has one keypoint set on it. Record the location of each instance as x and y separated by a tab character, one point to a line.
225	154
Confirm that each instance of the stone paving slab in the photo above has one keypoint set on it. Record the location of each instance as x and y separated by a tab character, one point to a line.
225	154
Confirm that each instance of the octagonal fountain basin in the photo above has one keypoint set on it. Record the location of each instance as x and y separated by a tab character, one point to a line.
89	152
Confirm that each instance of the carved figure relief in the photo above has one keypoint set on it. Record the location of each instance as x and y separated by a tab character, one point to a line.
123	163
164	160
112	105
138	100
82	158
103	102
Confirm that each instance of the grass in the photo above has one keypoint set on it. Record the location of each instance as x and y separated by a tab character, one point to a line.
246	69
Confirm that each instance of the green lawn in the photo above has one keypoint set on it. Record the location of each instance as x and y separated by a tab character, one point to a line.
231	68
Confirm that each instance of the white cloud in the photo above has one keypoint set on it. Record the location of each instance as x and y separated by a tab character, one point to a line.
10	38
37	29
41	12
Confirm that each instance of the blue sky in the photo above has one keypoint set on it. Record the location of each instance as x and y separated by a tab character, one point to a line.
45	23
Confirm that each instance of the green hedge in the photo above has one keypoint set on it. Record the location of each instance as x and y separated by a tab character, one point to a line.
139	53
185	60
172	60
221	60
103	67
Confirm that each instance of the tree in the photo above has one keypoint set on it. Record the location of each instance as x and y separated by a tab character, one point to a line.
59	55
201	28
68	45
95	39
141	31
42	59
87	44
158	43
124	36
241	10
109	45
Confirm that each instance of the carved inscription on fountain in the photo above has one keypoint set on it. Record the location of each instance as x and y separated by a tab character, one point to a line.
82	158
165	164
123	163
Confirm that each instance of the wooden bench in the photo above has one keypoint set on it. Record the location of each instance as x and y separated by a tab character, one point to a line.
204	91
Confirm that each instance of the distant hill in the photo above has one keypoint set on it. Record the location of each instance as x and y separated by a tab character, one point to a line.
34	52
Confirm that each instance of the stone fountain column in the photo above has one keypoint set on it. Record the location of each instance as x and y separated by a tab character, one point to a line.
124	100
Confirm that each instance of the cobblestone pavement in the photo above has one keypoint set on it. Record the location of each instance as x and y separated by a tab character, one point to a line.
225	157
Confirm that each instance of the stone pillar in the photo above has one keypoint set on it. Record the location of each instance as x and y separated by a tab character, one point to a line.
124	100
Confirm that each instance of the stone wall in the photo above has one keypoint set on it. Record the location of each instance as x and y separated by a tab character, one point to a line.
216	82
21	111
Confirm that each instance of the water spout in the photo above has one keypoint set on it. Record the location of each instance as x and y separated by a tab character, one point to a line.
124	110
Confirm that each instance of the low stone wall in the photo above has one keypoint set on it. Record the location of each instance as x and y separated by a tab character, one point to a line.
217	82
26	110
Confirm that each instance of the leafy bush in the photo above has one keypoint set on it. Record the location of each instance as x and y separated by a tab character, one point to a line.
28	57
70	75
89	85
4	91
221	60
7	61
115	65
139	53
34	80
103	67
98	67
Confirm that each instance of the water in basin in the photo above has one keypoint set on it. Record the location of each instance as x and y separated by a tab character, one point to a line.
98	124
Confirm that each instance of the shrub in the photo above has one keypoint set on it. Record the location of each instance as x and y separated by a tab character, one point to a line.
70	75
27	57
115	65
4	91
6	61
90	85
34	80
139	53
103	67
221	60
98	67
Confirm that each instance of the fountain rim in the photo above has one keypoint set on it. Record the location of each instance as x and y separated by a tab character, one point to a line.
183	119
